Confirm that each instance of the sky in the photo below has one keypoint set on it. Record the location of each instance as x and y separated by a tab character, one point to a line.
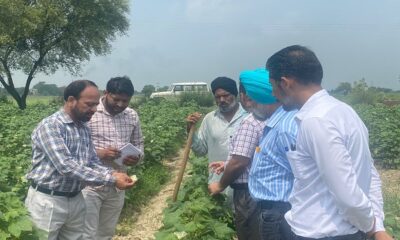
198	40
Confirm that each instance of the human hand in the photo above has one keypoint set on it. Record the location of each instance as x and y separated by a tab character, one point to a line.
131	160
217	167
214	188
123	181
109	153
382	235
192	119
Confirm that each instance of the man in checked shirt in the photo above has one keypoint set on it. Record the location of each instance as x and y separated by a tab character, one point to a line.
63	158
256	96
112	126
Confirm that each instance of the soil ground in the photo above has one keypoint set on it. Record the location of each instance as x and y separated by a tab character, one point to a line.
147	222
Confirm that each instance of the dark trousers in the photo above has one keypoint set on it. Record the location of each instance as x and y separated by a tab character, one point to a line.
356	236
273	225
246	210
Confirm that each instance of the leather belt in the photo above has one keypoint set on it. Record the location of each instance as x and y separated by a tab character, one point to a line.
266	204
54	193
239	186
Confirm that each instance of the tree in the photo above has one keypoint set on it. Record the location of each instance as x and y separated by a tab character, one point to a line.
162	89
343	88
43	36
148	90
45	89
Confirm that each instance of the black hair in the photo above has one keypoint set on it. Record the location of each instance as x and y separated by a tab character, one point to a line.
120	85
298	62
75	88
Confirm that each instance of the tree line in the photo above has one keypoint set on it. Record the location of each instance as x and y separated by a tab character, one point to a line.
51	89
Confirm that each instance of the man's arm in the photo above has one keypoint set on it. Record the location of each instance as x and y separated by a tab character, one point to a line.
49	138
235	167
244	144
137	140
199	142
375	196
335	166
137	136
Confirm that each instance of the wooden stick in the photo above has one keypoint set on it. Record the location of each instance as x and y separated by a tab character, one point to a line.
184	162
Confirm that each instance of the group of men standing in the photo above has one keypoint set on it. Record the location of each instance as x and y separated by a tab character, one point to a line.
77	190
299	164
296	159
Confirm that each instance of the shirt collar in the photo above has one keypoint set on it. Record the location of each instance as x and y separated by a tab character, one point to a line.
65	118
275	117
310	103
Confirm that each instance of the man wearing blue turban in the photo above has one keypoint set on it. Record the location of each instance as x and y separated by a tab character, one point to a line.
258	212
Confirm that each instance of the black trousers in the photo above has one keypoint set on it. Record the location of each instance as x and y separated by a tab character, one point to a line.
273	225
246	210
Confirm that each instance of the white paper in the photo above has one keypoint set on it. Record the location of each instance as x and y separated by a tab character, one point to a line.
127	150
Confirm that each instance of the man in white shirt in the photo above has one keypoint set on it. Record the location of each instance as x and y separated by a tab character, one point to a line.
217	128
337	190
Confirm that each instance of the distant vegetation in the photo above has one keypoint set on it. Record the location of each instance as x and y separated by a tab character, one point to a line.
360	93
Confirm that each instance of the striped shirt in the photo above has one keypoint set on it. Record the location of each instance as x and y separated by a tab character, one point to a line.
271	177
245	142
115	131
63	155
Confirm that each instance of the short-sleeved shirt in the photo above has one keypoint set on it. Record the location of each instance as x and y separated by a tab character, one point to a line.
245	141
271	176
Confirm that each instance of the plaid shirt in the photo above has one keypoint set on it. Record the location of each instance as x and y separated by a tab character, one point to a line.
245	142
115	131
64	155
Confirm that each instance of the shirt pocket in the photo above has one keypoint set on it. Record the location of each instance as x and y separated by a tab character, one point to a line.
298	164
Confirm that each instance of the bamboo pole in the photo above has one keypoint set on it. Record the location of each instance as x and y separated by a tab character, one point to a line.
184	162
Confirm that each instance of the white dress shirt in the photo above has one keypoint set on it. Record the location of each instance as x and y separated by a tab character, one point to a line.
337	190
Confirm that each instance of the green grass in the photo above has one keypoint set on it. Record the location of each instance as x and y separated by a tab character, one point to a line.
391	196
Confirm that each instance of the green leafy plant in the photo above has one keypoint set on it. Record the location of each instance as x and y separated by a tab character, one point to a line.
196	215
384	133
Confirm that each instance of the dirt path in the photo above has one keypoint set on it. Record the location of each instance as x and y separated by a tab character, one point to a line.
150	217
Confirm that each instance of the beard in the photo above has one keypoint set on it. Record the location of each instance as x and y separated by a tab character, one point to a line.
82	116
227	107
112	109
258	114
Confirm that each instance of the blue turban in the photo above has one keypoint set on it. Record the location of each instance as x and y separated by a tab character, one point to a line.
257	86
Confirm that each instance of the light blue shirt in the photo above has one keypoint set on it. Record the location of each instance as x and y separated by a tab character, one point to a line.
213	137
271	177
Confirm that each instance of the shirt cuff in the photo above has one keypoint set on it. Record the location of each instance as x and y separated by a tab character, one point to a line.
110	179
379	227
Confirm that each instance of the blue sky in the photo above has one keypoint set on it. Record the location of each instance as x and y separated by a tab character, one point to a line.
199	40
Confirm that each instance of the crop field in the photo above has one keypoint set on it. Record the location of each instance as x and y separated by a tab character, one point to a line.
195	215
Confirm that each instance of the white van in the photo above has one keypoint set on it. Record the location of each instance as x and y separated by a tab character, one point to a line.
177	88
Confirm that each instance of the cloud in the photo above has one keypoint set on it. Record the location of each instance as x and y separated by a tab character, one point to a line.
211	11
